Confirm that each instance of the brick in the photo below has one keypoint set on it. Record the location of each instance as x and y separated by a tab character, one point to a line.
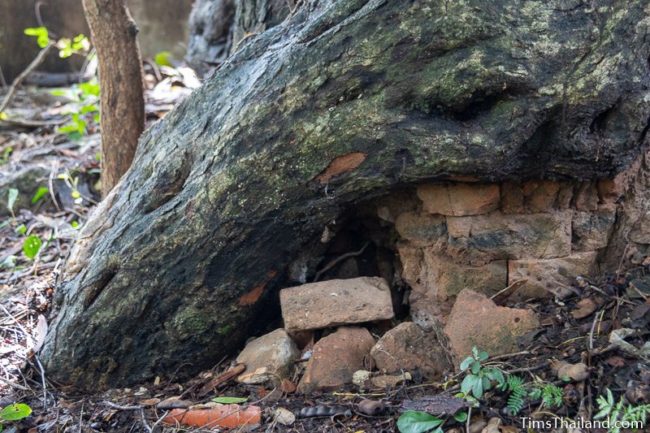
550	276
500	236
459	199
336	302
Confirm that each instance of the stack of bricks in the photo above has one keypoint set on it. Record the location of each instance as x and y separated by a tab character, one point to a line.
485	237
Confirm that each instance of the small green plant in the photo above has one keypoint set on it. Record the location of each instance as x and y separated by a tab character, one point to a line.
66	46
73	183
39	194
14	412
518	393
550	394
31	246
41	34
6	153
84	95
620	413
163	58
86	108
77	45
479	378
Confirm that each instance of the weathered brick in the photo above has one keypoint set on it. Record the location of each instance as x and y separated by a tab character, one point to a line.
502	236
438	277
459	199
547	277
407	347
336	302
477	321
421	228
335	358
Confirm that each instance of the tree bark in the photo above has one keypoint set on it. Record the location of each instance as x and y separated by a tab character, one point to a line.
113	33
345	100
218	27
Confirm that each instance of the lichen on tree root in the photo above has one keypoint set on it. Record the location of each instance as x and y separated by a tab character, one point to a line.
429	89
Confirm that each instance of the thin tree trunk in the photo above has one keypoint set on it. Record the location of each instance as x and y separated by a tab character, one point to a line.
120	77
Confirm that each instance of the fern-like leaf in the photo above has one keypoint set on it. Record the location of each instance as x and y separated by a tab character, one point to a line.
517	397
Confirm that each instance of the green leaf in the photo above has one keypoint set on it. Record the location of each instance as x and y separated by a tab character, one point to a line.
477	388
230	400
31	246
483	355
466	363
461	416
40	33
468	383
89	108
486	383
40	193
417	422
15	412
163	58
476	367
90	88
11	201
21	229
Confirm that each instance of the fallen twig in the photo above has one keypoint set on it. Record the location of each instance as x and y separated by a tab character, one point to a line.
20	78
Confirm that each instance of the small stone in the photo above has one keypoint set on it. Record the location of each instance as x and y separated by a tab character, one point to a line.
564	370
371	407
407	347
284	416
390	381
268	358
336	302
477	321
335	359
547	277
361	377
459	199
287	386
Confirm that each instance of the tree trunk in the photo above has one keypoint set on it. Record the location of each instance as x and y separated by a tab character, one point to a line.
345	100
218	27
114	34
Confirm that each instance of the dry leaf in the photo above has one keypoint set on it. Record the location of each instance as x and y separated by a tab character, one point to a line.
492	426
564	370
586	307
284	416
